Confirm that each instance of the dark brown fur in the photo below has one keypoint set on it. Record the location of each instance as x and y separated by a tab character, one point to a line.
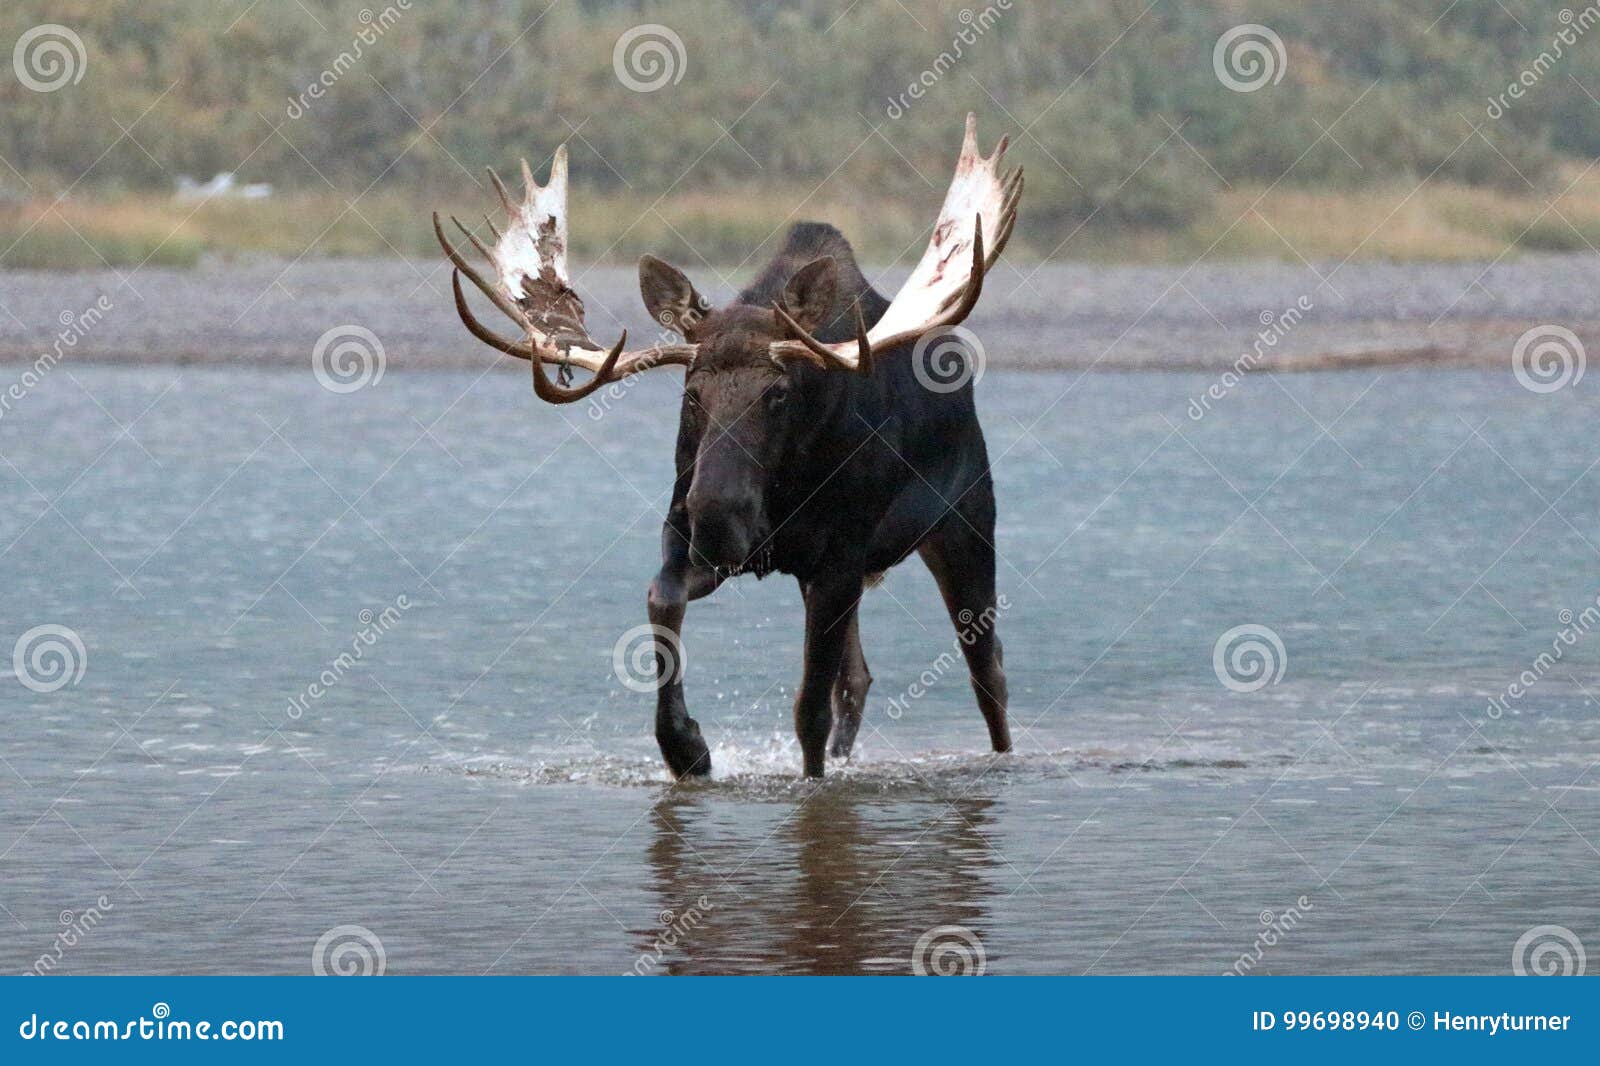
830	476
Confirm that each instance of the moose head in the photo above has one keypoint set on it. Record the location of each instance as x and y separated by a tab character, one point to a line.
742	359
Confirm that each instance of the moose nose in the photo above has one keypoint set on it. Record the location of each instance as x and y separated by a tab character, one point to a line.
721	535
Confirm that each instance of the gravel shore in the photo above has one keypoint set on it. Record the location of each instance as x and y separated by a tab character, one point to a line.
1063	315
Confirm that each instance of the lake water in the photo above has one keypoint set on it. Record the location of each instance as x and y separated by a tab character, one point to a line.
480	792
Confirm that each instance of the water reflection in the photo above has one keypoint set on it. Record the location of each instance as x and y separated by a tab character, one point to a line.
838	882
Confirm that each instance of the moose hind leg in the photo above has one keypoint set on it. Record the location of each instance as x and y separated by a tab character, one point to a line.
962	563
849	694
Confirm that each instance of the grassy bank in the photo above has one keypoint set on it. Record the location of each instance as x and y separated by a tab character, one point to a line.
1440	222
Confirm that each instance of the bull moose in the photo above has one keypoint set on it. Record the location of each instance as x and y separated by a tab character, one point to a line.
808	441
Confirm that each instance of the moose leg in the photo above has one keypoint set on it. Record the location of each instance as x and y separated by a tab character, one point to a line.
849	693
678	735
963	565
830	616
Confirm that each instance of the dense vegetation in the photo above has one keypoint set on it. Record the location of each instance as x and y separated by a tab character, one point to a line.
777	104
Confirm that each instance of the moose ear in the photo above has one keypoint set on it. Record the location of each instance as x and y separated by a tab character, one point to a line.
809	295
670	296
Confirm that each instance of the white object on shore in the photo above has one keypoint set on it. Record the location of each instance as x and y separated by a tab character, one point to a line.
222	185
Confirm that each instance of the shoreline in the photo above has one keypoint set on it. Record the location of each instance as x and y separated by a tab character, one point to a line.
1206	317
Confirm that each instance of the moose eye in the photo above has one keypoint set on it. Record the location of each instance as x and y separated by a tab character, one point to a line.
776	399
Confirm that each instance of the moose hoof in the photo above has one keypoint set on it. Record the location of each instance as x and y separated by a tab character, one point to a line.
686	752
843	739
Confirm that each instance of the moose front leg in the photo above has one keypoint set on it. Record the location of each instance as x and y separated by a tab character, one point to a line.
830	616
678	735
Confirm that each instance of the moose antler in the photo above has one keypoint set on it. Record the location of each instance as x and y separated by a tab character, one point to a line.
531	287
944	287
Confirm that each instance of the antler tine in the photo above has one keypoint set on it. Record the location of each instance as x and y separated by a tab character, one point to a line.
529	186
558	171
548	391
510	309
1008	213
543	386
500	187
487	221
969	141
863	346
826	357
479	330
482	248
